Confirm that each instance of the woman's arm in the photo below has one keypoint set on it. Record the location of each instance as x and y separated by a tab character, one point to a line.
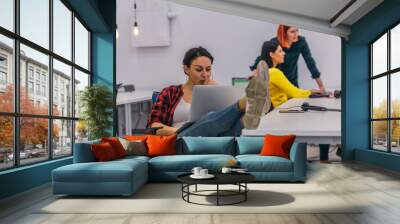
165	130
312	65
159	115
320	85
278	79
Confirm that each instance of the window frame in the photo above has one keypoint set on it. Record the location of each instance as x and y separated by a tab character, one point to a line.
16	114
388	74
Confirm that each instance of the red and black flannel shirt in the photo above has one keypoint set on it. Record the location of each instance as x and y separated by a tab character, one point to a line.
163	109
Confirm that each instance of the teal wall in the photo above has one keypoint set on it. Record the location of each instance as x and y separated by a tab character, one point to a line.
103	64
356	85
100	17
24	178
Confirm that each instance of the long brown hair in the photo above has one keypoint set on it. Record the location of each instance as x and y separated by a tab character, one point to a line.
282	35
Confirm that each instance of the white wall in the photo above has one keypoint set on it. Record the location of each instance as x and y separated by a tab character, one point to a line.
233	41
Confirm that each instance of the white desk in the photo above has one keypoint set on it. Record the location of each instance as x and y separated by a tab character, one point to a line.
313	127
126	99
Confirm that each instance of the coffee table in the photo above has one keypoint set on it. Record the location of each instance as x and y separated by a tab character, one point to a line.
238	179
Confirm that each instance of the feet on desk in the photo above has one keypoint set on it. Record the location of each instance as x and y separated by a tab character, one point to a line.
257	94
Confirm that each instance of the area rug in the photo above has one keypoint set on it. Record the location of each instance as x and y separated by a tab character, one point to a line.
167	198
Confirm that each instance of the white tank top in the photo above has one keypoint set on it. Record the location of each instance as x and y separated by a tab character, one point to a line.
181	114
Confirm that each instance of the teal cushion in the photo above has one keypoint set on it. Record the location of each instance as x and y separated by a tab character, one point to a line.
249	145
185	163
257	163
111	171
207	145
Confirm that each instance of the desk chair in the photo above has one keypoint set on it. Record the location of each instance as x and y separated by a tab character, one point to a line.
148	131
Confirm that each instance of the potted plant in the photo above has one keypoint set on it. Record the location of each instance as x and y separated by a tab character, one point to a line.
97	104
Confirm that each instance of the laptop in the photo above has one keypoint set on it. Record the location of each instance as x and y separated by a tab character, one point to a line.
208	98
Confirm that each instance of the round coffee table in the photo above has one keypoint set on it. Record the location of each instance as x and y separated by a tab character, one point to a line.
238	179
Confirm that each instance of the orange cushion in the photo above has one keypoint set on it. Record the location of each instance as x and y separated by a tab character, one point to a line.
275	145
161	145
103	152
136	137
116	145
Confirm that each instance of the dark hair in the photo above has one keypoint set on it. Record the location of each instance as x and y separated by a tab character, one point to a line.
268	47
194	53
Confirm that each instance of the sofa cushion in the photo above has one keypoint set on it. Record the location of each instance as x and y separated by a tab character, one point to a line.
116	145
207	145
161	145
257	163
103	152
112	171
249	145
185	163
277	145
134	147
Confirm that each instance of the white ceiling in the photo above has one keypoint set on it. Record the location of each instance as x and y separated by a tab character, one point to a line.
319	9
315	15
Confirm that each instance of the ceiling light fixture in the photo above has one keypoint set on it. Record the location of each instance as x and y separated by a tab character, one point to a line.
135	25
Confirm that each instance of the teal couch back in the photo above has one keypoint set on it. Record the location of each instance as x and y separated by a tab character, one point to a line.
249	145
192	146
206	145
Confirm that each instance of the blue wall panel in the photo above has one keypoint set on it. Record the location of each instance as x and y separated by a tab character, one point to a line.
24	178
356	75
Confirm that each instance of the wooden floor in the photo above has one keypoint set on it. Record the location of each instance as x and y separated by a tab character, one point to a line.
354	182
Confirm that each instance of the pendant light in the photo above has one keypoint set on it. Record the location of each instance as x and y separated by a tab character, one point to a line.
135	25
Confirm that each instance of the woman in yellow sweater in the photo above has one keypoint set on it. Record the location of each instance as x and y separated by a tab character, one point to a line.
281	89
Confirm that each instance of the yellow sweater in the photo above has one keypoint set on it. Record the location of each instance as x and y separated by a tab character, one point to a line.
281	89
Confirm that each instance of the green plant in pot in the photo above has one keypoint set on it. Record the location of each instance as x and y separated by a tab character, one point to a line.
96	102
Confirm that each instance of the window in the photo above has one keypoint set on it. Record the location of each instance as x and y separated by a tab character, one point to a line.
62	74
35	21
30	72
3	78
62	29
385	94
43	77
3	61
30	88
45	131
6	74
7	14
44	91
37	74
81	45
6	142
38	89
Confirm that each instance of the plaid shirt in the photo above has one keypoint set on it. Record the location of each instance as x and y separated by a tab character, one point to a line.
163	109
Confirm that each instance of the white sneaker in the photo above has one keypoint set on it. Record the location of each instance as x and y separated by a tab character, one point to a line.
257	93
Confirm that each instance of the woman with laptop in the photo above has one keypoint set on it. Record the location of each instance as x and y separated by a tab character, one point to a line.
172	108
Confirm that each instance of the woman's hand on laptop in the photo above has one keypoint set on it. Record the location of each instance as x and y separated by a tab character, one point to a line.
165	130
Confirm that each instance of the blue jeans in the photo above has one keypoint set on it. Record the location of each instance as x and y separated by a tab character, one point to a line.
223	122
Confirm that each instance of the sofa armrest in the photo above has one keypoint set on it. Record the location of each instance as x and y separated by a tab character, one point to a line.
83	152
298	155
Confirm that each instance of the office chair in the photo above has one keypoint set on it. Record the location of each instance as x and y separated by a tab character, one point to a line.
148	131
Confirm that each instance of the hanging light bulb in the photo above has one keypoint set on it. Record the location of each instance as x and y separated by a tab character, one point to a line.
135	29
135	25
116	32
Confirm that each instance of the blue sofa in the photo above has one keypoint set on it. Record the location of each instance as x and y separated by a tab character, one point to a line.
125	176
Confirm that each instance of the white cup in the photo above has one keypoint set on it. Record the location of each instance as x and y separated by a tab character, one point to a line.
226	170
203	172
196	171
